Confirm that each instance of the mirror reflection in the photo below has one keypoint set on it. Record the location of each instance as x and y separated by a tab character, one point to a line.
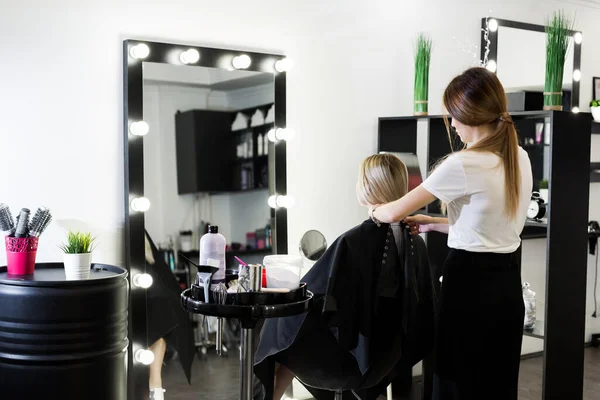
522	60
313	244
207	162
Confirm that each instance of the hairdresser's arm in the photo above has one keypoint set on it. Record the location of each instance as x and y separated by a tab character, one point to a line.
397	210
424	223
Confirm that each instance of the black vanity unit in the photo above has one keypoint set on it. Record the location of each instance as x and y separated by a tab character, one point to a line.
565	147
206	152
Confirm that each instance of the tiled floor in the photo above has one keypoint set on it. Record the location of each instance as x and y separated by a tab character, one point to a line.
216	378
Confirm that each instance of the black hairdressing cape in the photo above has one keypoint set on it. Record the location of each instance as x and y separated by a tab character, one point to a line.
373	317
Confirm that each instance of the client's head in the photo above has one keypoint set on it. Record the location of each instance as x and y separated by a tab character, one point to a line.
382	178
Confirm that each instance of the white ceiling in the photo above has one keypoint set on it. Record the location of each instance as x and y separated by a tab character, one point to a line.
213	78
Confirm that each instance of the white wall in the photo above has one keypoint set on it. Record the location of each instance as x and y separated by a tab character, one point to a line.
235	214
61	79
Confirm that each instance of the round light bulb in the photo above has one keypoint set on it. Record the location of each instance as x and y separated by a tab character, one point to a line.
272	135
140	204
577	75
144	356
143	281
493	25
139	51
241	62
285	201
284	65
284	134
190	56
139	128
575	110
491	66
578	37
272	201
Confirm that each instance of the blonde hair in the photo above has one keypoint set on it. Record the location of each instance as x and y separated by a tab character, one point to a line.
383	178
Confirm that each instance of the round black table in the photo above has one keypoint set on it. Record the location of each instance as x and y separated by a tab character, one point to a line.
248	314
60	338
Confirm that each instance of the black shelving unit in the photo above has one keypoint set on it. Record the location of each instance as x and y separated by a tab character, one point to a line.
568	152
206	152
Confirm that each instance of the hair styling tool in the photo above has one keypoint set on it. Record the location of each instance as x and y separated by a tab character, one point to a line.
7	224
22	223
40	221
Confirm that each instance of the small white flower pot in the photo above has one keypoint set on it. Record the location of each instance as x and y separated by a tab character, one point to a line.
596	113
77	266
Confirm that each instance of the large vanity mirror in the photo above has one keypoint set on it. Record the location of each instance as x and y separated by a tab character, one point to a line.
517	53
203	147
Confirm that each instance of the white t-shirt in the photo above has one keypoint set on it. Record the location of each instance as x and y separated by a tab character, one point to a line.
471	183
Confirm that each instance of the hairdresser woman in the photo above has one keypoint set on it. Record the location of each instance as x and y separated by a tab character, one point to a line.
486	189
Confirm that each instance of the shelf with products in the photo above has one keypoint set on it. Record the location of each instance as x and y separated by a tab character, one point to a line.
237	159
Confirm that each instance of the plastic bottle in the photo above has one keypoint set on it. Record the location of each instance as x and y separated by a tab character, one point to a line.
530	311
212	252
268	243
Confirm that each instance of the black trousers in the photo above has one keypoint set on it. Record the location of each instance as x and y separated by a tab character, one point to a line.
480	327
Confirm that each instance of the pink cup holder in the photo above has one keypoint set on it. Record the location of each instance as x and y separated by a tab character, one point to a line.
20	255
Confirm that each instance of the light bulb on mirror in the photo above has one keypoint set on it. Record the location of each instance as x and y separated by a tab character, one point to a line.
285	201
493	25
272	135
139	51
143	281
140	204
190	56
144	356
576	75
272	201
286	134
284	65
578	37
139	128
491	66
241	62
575	110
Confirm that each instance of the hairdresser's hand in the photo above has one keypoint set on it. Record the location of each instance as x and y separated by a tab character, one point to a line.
420	223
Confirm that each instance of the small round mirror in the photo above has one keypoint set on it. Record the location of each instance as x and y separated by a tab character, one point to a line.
313	245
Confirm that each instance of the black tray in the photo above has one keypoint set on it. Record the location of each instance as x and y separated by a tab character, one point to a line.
53	273
253	298
250	311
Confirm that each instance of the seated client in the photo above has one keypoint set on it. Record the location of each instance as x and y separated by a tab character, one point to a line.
373	314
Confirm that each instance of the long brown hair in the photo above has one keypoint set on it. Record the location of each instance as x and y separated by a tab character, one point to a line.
477	98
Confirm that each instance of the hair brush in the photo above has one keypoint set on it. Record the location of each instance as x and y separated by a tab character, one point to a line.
40	221
7	224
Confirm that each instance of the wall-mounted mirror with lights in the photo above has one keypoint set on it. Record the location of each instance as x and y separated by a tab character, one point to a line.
205	144
516	51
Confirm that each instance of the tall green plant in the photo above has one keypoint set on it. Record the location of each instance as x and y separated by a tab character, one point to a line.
78	243
422	60
557	46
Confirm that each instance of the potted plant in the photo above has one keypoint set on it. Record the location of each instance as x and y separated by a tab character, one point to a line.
595	108
78	255
544	190
557	45
422	58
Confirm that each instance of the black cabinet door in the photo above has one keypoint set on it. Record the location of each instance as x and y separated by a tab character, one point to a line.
205	151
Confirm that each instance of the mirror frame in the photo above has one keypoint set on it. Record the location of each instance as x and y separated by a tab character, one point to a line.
493	53
133	92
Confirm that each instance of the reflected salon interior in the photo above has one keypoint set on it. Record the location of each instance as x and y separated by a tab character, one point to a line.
191	225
